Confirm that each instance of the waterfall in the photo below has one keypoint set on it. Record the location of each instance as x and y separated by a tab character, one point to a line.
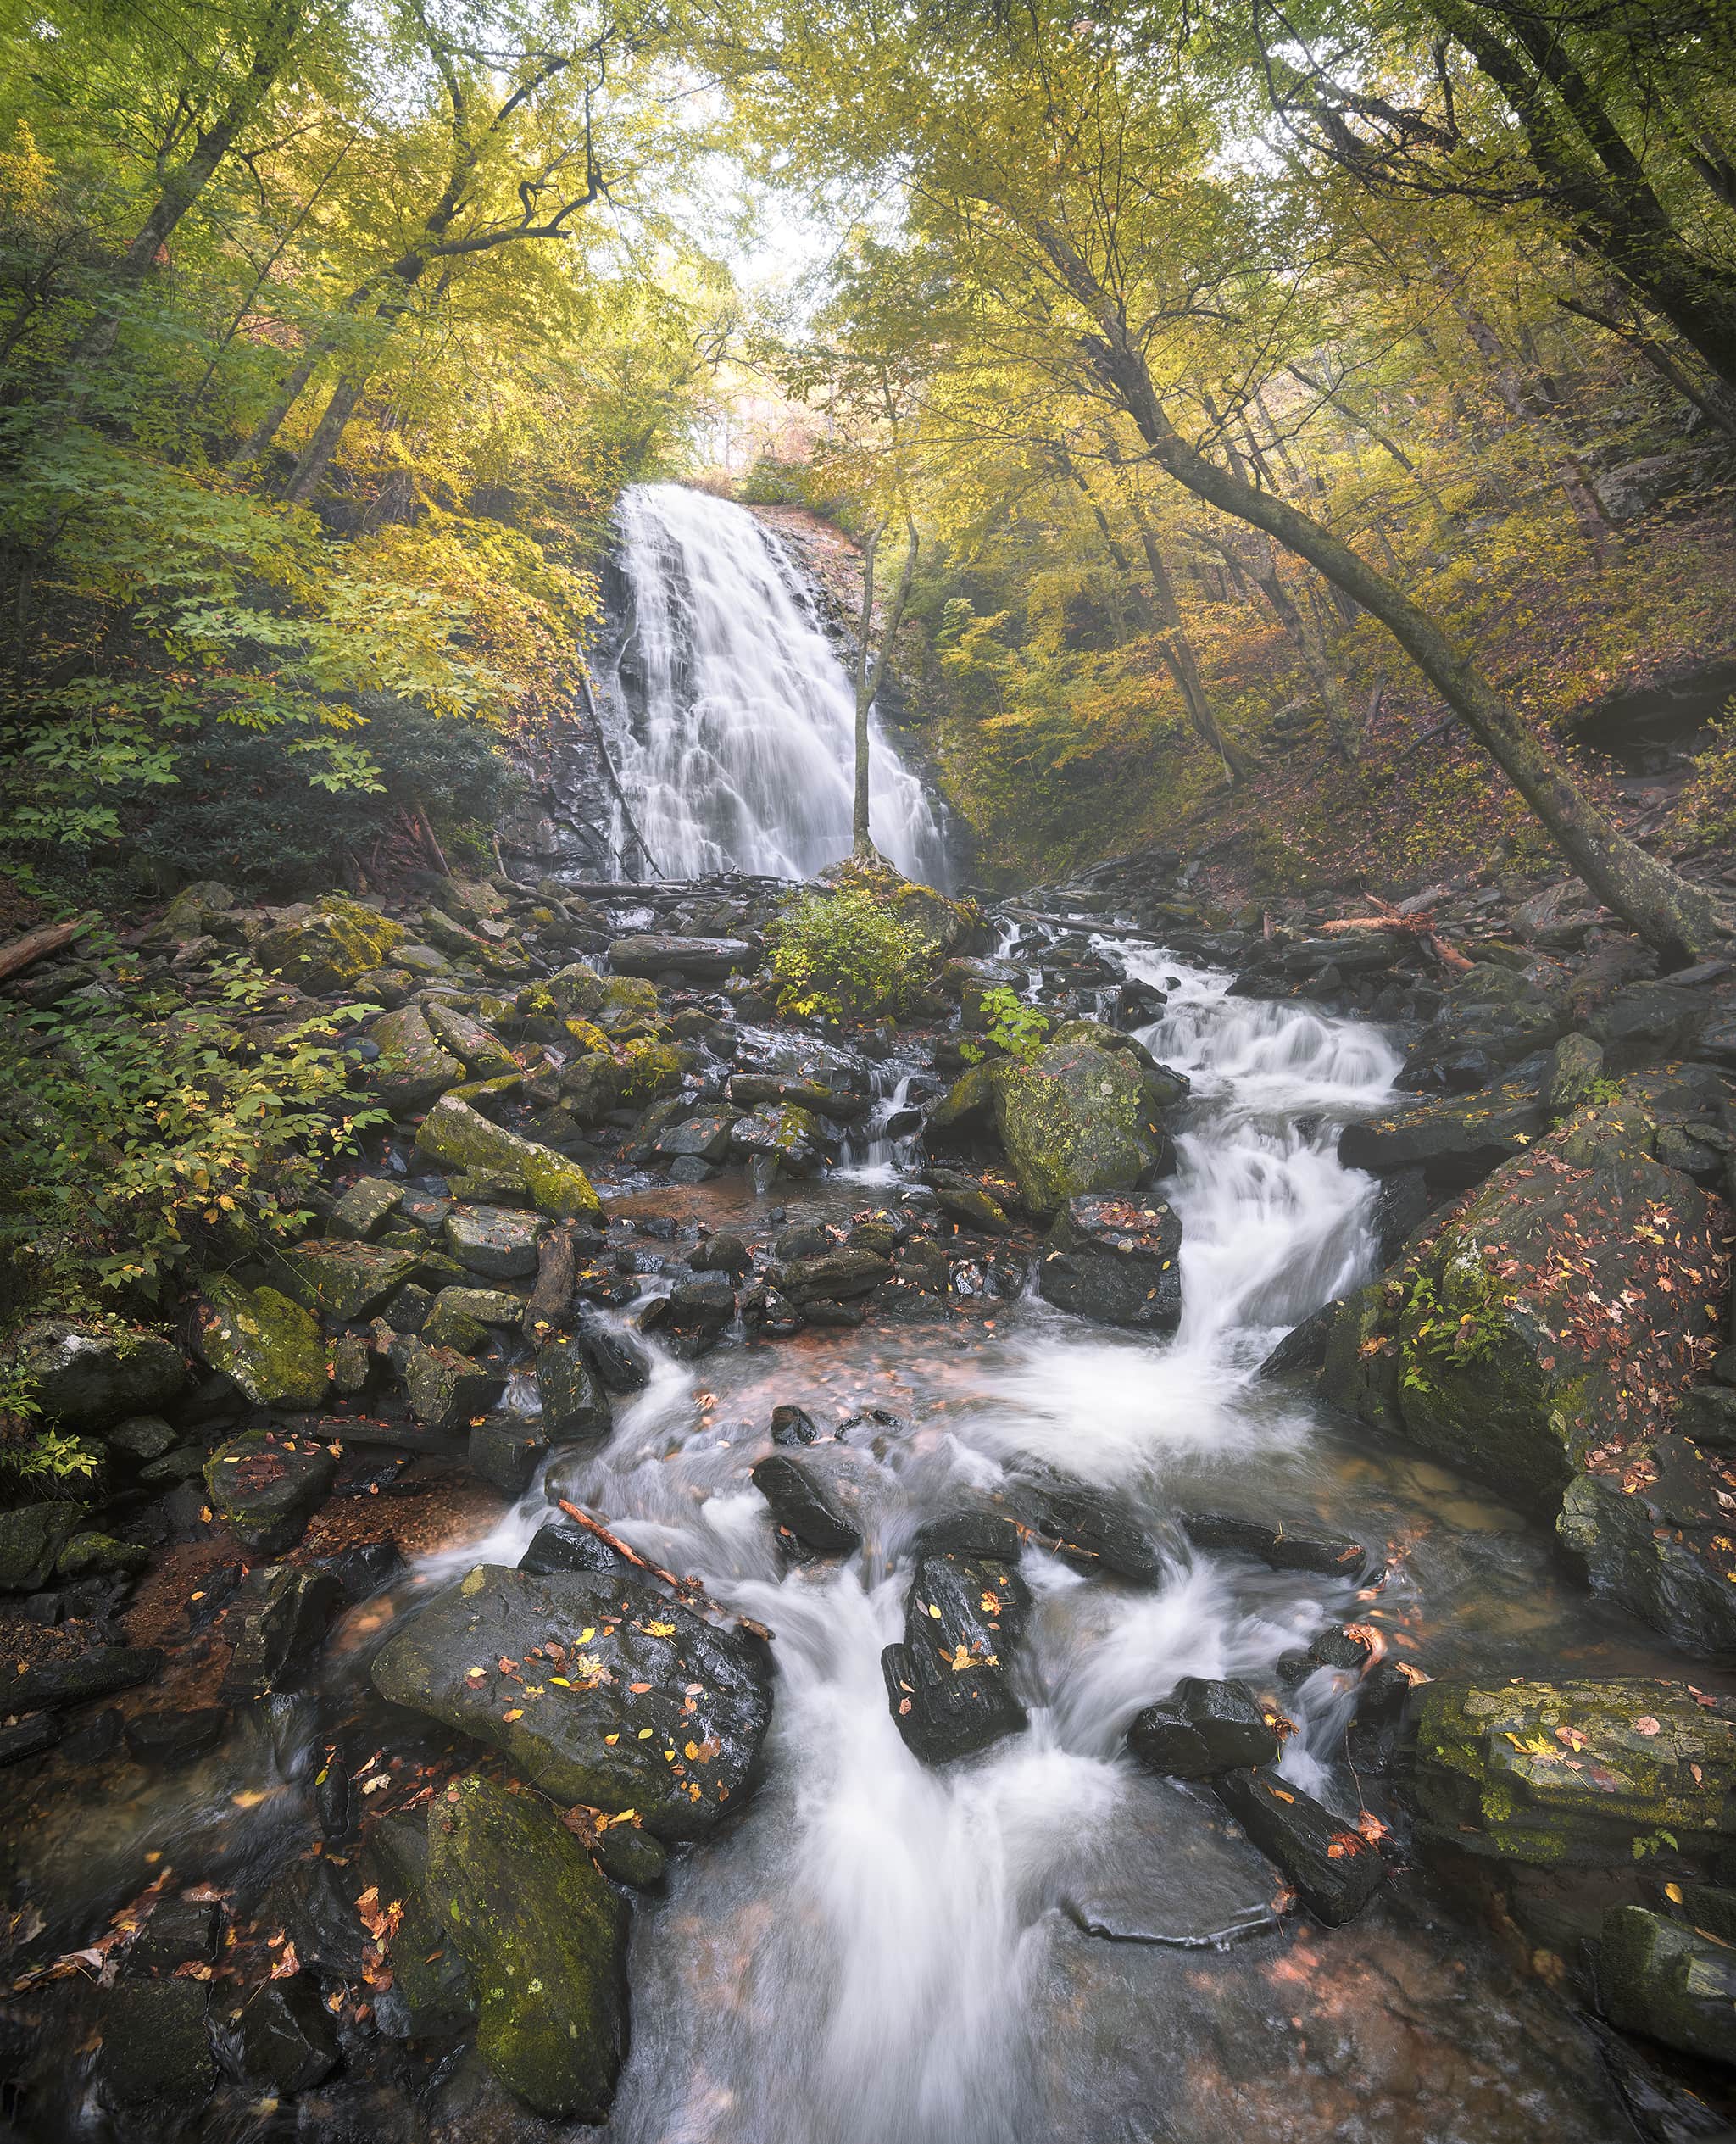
734	719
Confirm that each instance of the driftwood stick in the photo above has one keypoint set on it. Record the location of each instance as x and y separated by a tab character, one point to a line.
38	945
691	1590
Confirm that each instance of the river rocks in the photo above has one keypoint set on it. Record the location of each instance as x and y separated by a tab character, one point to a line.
1117	1260
751	1090
1334	1870
330	948
1648	1021
156	2044
1201	1728
365	1208
575	1404
275	1627
446	1390
413	1068
283	2037
640	1705
74	1677
1494	1018
1076	1120
568	1548
947	1683
172	1738
1576	1774
265	1486
1455	1141
839	1276
505	1451
1668	1980
1575	1067
695	1314
346	1281
704	1136
1547	1318
31	1538
1285	1546
457	1137
545	1938
1652	1524
269	1345
497	1242
703	959
782	1133
87	1379
1089	1530
484	1055
806	1504
943	1713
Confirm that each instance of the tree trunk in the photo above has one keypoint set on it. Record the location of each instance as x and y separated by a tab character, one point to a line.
1681	920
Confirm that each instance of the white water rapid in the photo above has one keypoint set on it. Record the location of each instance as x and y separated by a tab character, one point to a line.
734	718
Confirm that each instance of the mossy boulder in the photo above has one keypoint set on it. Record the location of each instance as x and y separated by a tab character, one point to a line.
1078	1119
87	1376
574	990
343	1281
590	1087
266	1343
1652	1524
412	1069
785	1133
626	1001
1573	1774
616	1696
647	1068
456	1137
32	1539
484	1056
586	1038
949	927
339	942
1670	1980
545	1938
1560	1312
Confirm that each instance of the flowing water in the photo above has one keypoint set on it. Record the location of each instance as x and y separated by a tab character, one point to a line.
734	718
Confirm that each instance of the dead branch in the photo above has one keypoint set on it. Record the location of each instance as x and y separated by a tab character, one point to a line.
691	1590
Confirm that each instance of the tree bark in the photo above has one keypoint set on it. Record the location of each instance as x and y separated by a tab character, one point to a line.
1681	920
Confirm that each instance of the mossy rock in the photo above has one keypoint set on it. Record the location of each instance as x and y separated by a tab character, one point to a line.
591	1087
32	1539
545	1938
1560	1312
414	1068
626	1001
341	941
267	1344
968	1104
1670	1981
1651	1525
1573	1774
577	991
485	1056
88	1377
344	1281
1076	1120
587	1036
949	927
457	1137
649	1068
1360	1373
265	1486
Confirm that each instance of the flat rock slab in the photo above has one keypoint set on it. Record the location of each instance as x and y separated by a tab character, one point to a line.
264	1485
1281	1545
600	1688
650	953
497	1242
343	1281
1117	1260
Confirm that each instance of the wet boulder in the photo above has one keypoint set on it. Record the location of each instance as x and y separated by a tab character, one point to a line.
545	1938
412	1069
598	1687
483	1055
276	1626
455	1137
1091	1530
1558	1312
704	1136
446	1390
1456	1141
1668	1980
156	2044
31	1538
702	960
694	1316
330	948
73	1674
943	1712
505	1451
1284	1545
783	1134
568	1548
575	1403
754	1090
268	1344
1203	1728
1117	1260
1494	1018
87	1379
499	1242
265	1484
810	1505
282	2037
838	1276
947	1684
1333	1869
1650	1523
1573	1774
1076	1120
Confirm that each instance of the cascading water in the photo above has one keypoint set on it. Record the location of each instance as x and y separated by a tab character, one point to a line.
734	719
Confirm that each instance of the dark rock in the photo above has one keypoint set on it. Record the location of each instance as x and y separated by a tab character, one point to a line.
265	1484
617	1358
1334	1870
1648	1021
75	1679
636	1668
313	1901
179	1931
834	1276
1707	1415
1666	1980
32	1539
1651	1526
1285	1546
497	1242
944	1713
1116	1260
984	1534
706	960
505	1451
723	1254
345	1281
1077	1120
283	2036
1201	1728
174	1739
1304	1346
277	1628
96	1738
575	1405
631	1855
804	1503
19	1739
87	1379
568	1548
1089	1530
365	1209
781	1134
446	1390
1455	1143
432	1996
546	1940
803	1240
959	1601
792	1425
141	1439
703	1137
156	2048
366	1568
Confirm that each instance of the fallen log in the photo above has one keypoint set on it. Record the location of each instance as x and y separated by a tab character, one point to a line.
37	944
551	1299
1418	927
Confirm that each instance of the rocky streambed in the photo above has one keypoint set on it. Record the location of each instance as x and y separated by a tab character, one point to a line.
748	1583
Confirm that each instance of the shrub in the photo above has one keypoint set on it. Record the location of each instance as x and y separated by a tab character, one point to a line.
1016	1028
845	957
